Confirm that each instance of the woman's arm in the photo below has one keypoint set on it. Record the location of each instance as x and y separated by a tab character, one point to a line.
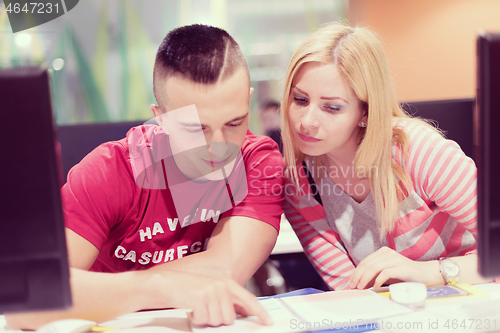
324	250
444	176
388	266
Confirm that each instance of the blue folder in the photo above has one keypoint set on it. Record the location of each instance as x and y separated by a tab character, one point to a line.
310	291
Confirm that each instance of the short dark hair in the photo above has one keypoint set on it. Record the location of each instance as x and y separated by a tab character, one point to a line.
202	54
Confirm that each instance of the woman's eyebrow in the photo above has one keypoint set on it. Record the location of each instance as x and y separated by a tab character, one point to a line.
300	90
334	98
325	98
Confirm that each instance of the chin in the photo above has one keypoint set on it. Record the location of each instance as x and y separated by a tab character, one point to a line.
311	151
209	175
213	176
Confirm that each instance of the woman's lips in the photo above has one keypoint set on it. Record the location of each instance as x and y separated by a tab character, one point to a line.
307	138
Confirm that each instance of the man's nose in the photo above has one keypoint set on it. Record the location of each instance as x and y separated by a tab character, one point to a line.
218	145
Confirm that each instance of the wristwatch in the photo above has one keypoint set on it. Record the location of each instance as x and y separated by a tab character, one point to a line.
450	270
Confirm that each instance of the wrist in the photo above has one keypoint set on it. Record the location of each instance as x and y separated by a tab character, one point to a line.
143	289
433	276
450	270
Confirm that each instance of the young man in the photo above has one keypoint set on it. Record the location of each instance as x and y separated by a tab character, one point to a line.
176	239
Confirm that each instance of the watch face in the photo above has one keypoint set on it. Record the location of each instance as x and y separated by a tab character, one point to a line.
450	268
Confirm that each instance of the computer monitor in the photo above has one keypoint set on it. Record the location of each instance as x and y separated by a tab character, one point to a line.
453	116
34	272
487	142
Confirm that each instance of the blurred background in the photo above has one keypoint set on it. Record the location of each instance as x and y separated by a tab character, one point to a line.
102	52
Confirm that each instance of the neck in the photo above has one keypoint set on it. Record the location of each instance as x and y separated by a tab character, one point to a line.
344	158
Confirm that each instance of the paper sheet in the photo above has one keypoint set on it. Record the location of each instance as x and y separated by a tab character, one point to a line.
331	310
280	314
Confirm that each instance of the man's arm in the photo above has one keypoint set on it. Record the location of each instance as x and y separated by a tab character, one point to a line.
104	296
237	248
96	296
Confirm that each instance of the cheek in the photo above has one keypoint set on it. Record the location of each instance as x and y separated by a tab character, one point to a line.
237	135
241	135
293	116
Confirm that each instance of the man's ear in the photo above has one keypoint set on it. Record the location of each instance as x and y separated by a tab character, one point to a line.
158	116
250	95
156	110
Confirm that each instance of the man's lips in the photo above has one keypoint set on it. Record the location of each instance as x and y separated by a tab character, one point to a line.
219	163
307	138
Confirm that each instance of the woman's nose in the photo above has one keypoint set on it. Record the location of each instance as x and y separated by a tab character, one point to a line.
309	119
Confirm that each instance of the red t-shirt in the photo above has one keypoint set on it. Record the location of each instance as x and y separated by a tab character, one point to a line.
135	227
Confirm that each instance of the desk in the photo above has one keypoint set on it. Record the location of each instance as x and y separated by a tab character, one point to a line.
474	310
287	241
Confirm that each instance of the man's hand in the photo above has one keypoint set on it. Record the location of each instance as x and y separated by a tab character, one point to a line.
214	302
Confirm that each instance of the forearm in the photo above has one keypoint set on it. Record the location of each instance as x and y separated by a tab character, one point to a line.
238	264
96	296
203	263
468	271
237	248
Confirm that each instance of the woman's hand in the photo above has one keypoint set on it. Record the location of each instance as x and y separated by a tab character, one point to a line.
388	266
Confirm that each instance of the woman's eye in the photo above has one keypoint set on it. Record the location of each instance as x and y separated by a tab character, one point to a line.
235	125
300	100
333	108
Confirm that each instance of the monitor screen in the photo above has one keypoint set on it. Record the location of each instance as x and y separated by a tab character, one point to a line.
487	141
34	272
452	116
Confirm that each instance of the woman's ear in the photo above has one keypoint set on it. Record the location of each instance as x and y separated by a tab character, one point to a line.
364	107
363	122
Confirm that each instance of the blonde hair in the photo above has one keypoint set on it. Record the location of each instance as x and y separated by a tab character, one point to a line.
361	60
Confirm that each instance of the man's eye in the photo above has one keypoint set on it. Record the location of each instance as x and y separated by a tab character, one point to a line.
235	125
194	130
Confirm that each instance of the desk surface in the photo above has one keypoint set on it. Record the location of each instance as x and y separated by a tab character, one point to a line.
287	241
465	314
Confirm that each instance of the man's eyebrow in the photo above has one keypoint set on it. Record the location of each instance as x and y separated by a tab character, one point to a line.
325	98
238	118
195	124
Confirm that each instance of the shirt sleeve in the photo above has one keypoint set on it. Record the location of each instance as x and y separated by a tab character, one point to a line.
264	173
322	246
443	174
97	192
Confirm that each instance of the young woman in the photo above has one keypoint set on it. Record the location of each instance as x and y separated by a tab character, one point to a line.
375	196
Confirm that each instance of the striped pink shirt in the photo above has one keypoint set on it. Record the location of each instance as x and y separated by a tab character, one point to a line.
437	219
